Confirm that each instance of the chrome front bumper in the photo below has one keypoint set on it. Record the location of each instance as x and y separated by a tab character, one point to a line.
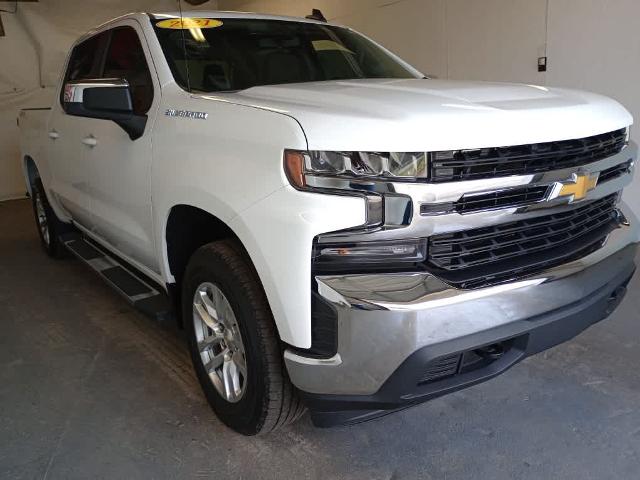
384	318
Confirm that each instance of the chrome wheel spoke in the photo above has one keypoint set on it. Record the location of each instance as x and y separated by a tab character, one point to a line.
224	311
231	379
209	320
208	304
215	362
208	342
240	363
42	219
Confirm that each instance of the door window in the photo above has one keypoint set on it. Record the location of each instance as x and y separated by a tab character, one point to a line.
85	61
126	60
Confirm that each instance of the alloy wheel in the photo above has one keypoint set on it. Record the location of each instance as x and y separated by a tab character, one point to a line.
220	342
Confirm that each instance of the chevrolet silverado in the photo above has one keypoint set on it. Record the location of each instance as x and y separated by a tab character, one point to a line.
334	230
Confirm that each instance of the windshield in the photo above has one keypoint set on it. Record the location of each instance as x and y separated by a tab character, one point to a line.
234	54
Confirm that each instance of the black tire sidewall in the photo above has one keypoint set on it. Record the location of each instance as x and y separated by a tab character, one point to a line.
208	265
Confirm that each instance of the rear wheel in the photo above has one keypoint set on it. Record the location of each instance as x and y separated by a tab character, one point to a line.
234	346
49	226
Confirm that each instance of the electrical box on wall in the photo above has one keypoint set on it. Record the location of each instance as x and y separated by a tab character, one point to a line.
542	64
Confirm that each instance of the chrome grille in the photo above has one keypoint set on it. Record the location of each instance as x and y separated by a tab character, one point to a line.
508	198
473	164
615	172
483	256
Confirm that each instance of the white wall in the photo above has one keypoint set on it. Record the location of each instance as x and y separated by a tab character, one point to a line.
594	45
18	85
496	40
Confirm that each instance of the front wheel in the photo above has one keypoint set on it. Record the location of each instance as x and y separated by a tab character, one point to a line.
233	342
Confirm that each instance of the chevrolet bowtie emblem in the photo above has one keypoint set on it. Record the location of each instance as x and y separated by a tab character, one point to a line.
578	187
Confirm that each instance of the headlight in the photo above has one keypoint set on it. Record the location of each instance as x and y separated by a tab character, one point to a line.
300	165
363	174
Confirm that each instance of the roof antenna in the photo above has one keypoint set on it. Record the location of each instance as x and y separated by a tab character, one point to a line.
184	47
316	14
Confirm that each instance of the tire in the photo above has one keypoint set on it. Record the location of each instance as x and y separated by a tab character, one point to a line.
49	226
262	398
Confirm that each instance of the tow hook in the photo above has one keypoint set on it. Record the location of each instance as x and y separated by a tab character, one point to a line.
615	299
491	352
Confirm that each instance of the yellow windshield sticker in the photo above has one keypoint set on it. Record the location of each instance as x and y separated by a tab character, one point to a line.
189	23
320	45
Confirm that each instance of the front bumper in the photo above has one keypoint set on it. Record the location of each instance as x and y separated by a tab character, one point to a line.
393	329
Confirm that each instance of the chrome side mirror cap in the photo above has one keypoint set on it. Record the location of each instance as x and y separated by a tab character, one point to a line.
107	99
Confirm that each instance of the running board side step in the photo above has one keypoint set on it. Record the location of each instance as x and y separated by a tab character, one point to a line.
140	293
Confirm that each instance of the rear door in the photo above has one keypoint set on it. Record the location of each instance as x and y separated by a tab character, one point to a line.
70	172
120	168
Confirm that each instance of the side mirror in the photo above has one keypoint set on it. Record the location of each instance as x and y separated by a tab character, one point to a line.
107	99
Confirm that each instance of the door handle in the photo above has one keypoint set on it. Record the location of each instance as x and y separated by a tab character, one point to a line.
53	134
90	141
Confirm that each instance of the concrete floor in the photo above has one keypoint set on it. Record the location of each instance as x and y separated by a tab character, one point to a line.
90	388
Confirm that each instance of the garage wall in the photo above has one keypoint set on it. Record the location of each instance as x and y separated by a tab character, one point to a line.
18	85
37	40
594	45
496	40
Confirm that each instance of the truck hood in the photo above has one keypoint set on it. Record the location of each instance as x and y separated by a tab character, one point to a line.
422	115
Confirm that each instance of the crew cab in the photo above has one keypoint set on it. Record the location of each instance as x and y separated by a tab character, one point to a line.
334	230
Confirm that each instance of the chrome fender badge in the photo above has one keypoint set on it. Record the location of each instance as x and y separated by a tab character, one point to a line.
172	112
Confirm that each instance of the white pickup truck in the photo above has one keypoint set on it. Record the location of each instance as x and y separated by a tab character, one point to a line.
336	231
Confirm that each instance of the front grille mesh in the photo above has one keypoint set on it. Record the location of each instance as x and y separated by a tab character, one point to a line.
473	164
615	172
513	197
483	256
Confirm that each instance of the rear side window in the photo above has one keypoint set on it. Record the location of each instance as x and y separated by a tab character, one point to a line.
85	59
125	59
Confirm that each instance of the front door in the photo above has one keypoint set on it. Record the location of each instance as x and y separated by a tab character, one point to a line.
120	168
